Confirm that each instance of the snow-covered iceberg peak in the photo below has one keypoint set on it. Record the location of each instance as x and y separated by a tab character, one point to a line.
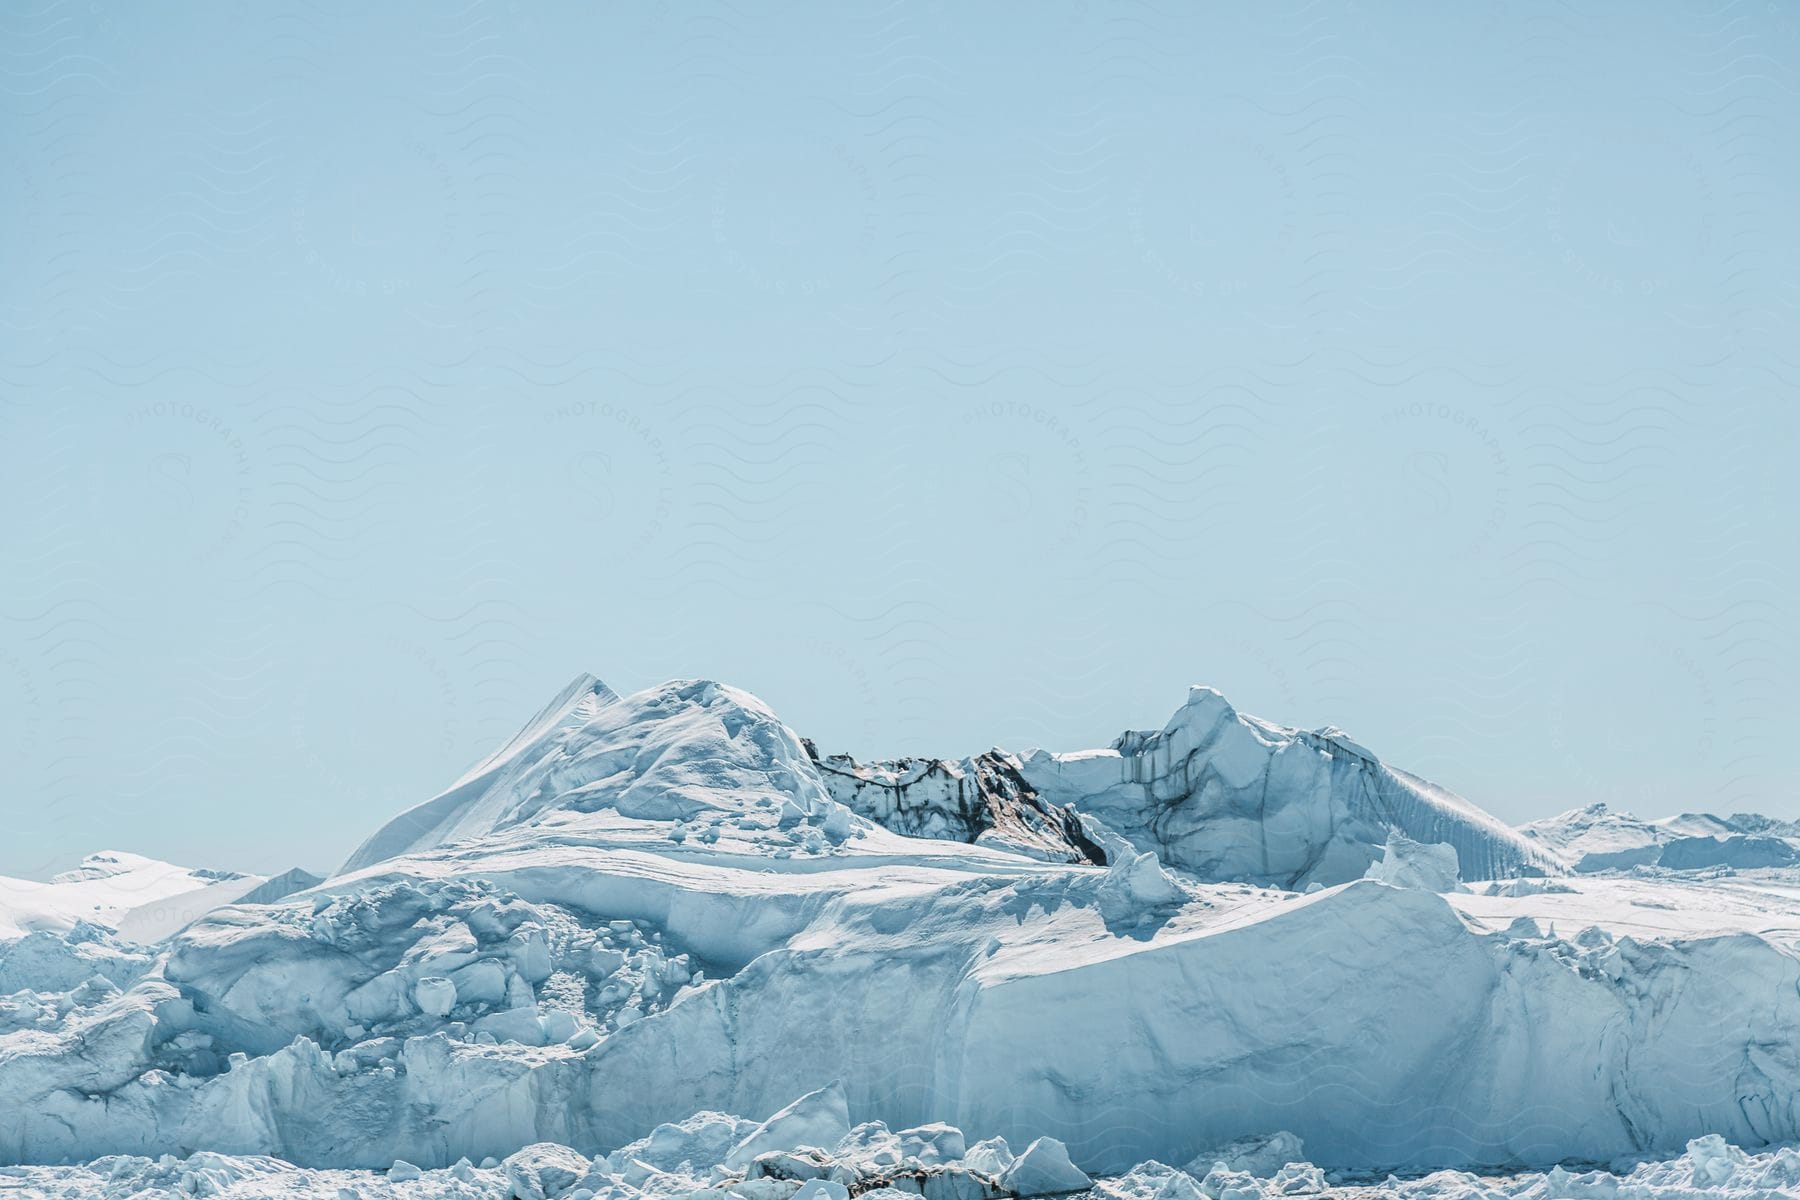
1225	795
678	752
1214	793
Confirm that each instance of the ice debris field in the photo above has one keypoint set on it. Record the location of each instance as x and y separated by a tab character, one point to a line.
659	945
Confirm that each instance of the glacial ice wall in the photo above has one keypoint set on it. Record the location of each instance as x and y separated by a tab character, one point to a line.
1372	1021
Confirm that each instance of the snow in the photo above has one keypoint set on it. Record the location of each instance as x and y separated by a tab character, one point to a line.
651	948
142	899
1597	838
1225	796
114	888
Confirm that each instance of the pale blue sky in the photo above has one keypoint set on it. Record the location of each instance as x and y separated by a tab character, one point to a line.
947	378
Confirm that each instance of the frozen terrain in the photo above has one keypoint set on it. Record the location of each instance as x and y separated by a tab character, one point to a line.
1596	838
1221	938
142	898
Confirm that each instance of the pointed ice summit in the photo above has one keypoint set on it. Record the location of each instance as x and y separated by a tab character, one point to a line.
690	753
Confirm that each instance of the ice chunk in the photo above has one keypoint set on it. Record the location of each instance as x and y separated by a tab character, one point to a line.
1259	1156
1135	885
933	1144
529	948
1715	1161
543	1171
559	1025
1044	1170
522	1025
788	1164
434	995
1150	1181
481	982
1739	851
990	1156
820	1118
1428	866
1297	1179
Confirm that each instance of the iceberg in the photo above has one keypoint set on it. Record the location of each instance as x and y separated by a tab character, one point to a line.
1596	839
1221	934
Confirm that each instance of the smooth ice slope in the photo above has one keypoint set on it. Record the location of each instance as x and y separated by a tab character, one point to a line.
478	801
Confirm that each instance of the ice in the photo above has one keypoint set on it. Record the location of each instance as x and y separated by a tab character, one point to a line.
674	1165
544	1170
1226	796
1597	838
1136	884
1215	793
1044	1169
50	962
1406	863
933	1143
141	898
990	1156
643	928
693	754
1740	851
435	995
820	1118
984	799
1260	1156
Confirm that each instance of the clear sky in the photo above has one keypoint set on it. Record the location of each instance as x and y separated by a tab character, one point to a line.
947	375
